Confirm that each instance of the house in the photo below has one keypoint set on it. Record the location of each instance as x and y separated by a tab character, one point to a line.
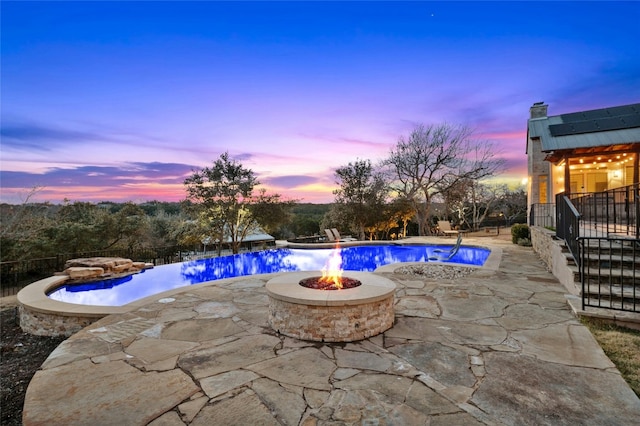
581	152
584	183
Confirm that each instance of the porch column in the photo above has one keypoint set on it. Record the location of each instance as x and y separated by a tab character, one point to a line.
636	167
567	176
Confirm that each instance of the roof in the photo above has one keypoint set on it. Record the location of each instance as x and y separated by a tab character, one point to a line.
588	129
257	235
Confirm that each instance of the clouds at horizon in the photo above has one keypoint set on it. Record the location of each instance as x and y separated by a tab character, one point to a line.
97	102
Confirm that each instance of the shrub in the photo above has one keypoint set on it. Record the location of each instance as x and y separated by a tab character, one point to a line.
524	242
520	231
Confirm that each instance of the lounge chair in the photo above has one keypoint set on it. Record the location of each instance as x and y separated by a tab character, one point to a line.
340	238
333	235
444	227
330	236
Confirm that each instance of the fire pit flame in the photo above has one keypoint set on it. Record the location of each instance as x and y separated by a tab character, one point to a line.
332	272
331	278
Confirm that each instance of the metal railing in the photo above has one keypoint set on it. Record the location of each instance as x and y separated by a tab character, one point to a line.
615	211
601	233
610	273
568	221
543	214
17	274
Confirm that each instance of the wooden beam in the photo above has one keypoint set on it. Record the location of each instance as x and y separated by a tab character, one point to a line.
567	176
636	166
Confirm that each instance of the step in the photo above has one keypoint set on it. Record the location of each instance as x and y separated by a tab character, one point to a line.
604	276
614	293
615	275
610	247
613	304
608	260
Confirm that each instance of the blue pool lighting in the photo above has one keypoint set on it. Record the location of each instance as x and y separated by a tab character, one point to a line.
121	291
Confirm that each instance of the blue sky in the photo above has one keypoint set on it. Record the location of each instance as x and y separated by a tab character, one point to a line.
120	101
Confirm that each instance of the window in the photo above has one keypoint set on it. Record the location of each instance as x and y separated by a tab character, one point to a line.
543	179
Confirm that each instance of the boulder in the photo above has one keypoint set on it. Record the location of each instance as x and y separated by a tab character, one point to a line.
80	272
122	267
90	268
141	265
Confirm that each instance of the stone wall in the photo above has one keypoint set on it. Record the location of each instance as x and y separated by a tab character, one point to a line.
43	324
537	167
331	323
40	315
542	240
552	254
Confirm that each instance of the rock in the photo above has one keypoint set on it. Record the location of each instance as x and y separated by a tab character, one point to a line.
77	272
122	267
438	271
87	268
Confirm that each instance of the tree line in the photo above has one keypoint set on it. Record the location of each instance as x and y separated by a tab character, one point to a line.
436	172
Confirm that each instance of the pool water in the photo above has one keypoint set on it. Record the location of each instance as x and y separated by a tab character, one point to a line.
120	291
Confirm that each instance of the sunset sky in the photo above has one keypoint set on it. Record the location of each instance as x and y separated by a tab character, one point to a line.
120	101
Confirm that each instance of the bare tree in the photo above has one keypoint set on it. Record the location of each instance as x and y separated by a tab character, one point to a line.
513	205
478	202
435	158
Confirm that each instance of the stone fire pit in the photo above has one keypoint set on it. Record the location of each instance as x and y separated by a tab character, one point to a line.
331	315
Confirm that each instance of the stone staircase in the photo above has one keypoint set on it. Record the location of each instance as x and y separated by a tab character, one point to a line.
612	274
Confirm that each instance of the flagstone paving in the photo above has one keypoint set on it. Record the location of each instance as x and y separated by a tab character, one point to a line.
494	347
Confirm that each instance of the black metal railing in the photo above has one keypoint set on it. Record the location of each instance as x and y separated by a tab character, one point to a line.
543	214
155	255
610	273
15	275
615	211
568	222
601	232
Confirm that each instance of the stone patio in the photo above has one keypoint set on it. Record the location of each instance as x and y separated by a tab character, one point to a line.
496	347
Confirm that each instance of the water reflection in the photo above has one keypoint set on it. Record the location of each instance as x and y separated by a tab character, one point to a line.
118	292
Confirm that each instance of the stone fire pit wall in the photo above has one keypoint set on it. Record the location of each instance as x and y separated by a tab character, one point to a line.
331	315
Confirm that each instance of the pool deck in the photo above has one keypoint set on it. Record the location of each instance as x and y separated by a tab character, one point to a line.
500	346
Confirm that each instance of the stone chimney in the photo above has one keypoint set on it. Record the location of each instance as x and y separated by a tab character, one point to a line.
538	110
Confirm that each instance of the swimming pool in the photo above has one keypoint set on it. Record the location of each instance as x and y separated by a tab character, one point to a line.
121	291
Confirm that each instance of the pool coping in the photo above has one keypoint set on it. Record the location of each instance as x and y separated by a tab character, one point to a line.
34	297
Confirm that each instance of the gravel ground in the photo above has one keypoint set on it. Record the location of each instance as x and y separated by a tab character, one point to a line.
435	271
21	356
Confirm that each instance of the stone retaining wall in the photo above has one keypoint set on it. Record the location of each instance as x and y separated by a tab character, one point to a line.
542	241
551	252
42	316
42	324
